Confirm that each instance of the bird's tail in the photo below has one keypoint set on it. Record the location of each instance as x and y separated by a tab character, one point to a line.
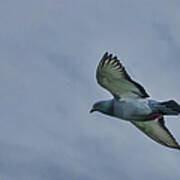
170	107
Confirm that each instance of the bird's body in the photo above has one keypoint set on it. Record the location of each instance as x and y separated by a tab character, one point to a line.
131	102
132	109
139	109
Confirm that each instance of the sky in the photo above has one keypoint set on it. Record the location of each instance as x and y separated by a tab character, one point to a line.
49	54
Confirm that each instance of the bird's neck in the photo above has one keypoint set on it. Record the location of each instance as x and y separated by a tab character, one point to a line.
109	107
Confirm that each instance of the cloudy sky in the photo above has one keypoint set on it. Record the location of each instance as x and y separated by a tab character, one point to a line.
48	57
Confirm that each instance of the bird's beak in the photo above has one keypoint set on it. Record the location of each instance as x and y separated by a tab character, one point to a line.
92	110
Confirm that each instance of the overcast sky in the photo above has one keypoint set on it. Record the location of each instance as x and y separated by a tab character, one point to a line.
49	51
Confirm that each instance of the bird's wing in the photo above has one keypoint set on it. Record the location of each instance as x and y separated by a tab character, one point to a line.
112	75
157	131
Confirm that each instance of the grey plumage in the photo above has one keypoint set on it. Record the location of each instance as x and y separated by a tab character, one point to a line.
165	108
131	102
171	105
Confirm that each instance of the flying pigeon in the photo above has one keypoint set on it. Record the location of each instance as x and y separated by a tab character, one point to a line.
131	102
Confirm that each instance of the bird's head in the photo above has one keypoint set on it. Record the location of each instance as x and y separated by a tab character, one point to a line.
105	107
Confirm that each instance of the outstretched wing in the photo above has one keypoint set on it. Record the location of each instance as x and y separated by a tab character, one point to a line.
113	76
157	131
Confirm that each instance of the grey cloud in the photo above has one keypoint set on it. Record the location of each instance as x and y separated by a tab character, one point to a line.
49	54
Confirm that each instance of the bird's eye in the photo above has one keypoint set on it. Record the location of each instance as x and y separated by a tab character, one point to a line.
96	105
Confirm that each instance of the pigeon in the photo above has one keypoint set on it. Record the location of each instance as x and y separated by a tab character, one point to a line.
132	103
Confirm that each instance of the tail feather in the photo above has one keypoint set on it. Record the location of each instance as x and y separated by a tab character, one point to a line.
172	105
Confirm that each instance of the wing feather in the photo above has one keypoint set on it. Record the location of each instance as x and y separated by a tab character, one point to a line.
112	75
157	131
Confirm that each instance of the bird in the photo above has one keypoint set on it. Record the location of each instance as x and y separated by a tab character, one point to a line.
132	103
